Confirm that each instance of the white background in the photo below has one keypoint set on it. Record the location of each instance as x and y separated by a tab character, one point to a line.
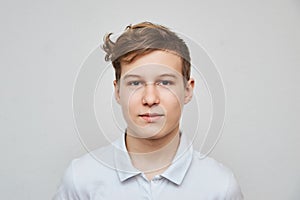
255	44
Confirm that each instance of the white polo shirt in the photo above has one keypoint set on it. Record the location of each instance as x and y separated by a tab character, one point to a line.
107	173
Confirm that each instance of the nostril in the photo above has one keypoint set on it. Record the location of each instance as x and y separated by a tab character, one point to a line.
150	100
150	96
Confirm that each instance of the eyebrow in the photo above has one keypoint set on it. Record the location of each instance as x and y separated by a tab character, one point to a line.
131	76
138	76
168	75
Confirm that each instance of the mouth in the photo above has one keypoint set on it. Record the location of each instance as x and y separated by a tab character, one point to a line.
151	117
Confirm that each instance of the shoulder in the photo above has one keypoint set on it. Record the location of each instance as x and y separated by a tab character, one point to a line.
99	159
86	172
206	168
209	165
214	176
94	166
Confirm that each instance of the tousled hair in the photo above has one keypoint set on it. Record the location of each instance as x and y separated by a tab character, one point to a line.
143	38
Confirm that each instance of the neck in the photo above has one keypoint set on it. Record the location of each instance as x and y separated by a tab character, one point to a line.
153	156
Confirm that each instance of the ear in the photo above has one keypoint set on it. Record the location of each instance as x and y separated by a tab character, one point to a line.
189	90
117	91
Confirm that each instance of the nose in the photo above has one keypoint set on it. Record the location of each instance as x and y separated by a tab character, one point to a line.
150	95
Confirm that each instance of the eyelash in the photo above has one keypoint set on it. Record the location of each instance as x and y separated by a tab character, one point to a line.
165	81
134	83
162	82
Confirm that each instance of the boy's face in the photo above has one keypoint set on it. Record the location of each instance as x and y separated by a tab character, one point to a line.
152	93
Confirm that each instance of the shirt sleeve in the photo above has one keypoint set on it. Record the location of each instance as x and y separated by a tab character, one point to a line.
67	189
234	191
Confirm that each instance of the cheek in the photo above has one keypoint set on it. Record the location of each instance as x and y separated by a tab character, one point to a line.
174	97
172	104
129	101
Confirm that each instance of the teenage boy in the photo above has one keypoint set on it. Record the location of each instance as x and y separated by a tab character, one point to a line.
153	159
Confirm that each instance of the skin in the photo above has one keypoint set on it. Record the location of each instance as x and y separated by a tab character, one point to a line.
152	95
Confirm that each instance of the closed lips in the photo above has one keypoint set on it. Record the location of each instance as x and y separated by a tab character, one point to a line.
151	115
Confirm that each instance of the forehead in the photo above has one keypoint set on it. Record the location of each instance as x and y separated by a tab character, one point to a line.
156	62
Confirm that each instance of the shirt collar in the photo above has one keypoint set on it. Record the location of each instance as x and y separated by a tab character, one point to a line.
123	164
175	172
181	162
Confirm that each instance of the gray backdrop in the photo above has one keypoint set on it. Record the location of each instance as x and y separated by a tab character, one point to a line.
255	45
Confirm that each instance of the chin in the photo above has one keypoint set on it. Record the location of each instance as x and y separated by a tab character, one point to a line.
146	132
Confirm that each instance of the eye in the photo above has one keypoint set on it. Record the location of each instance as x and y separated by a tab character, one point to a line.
135	83
165	82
